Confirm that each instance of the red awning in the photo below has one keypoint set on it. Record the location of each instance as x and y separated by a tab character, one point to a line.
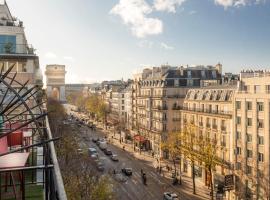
139	138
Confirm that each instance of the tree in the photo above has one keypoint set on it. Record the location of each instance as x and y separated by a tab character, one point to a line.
188	148
171	146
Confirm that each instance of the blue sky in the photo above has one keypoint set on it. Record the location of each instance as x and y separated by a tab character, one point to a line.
112	39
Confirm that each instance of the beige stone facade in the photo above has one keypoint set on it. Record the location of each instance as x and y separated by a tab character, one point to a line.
251	139
158	96
210	110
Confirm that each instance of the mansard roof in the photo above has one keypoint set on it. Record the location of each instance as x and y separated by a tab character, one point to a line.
211	94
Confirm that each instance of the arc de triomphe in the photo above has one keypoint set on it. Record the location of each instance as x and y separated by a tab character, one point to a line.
55	76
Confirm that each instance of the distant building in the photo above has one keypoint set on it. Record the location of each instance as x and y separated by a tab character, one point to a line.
55	76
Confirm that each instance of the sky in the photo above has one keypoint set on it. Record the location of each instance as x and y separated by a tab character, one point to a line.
112	39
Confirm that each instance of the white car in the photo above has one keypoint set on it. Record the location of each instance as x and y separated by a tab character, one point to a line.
170	196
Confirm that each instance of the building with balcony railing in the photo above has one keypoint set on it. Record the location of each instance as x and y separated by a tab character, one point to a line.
15	51
251	141
158	94
210	110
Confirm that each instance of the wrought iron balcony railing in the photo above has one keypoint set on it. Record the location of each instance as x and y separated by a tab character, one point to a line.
10	48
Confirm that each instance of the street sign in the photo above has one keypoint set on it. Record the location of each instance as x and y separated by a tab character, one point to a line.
228	182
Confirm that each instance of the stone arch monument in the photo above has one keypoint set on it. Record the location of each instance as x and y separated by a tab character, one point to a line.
55	76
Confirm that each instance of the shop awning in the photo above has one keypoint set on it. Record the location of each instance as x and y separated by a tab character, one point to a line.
139	138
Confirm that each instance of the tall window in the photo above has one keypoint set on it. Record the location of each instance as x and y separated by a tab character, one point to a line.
260	140
238	104
249	153
260	157
249	138
249	121
249	105
260	106
257	89
260	123
238	120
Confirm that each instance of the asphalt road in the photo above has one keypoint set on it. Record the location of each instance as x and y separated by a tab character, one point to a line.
133	188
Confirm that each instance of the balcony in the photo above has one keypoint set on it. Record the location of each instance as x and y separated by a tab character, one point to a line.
15	49
208	125
210	111
200	123
176	119
176	107
214	126
160	119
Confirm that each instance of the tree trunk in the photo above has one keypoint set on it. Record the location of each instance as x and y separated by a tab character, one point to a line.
193	177
211	184
180	172
174	165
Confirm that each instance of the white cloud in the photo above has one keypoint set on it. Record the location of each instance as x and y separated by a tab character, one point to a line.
167	5
192	12
69	58
134	13
166	46
145	43
237	3
50	55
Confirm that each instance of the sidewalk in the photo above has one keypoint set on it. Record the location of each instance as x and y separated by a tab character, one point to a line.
186	186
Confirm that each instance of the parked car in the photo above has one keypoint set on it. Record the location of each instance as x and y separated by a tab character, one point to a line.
100	166
108	152
170	196
103	145
94	140
94	156
92	150
127	171
114	157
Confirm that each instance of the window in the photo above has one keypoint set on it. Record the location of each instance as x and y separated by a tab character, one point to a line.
257	89
260	123
238	105
189	74
249	153
238	135
190	82
249	121
238	150
249	138
260	157
7	44
214	74
123	101
123	96
249	169
260	106
203	74
249	105
123	108
238	120
260	140
238	166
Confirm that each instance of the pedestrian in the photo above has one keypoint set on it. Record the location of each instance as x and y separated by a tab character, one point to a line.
141	171
153	154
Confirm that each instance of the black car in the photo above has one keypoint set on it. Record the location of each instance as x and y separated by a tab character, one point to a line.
108	152
94	140
127	171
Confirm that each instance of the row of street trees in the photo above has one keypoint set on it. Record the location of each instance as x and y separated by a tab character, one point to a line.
195	147
92	104
80	178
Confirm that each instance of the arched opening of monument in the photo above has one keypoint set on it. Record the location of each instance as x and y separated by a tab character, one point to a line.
55	94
